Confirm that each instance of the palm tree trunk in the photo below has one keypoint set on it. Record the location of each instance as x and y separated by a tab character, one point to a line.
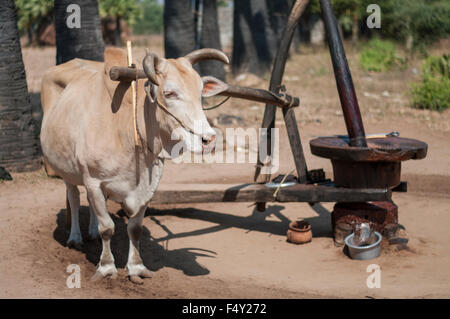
253	38
19	149
278	15
85	42
179	28
210	38
117	33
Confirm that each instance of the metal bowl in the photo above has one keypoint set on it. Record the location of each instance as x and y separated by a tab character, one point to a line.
363	252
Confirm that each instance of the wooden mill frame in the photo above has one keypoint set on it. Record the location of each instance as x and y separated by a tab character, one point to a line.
306	190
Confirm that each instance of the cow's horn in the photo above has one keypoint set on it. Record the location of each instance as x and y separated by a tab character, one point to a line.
207	54
149	63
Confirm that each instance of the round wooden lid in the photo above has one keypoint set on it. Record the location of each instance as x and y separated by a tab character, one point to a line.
378	149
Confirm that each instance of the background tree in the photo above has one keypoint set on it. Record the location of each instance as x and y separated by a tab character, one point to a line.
33	17
85	42
253	37
179	28
181	18
210	38
150	21
278	14
19	149
119	10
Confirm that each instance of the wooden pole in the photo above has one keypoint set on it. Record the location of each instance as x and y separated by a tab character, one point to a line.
344	82
275	82
133	92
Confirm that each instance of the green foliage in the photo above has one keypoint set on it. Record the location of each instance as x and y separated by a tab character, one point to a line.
151	19
424	20
379	55
32	12
125	9
433	91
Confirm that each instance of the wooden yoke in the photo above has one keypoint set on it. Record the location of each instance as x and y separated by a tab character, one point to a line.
129	74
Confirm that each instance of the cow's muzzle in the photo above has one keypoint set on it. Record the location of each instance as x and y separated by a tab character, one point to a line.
208	143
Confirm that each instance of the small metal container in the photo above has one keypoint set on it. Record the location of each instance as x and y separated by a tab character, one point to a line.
363	252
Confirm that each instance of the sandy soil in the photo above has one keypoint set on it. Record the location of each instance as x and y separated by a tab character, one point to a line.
230	250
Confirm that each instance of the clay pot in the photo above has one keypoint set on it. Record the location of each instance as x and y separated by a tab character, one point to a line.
299	232
341	231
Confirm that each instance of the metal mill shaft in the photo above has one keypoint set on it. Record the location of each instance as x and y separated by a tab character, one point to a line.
344	82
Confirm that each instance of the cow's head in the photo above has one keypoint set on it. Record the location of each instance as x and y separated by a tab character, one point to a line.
178	89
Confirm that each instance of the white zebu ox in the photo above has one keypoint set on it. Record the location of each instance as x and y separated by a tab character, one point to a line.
87	137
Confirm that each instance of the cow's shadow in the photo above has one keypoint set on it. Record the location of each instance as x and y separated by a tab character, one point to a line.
155	252
155	256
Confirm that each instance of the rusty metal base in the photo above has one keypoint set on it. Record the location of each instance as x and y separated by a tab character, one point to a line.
379	213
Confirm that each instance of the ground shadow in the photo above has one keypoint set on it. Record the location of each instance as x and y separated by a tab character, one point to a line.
155	252
255	222
154	255
320	225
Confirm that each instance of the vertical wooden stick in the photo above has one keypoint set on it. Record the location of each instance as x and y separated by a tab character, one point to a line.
133	91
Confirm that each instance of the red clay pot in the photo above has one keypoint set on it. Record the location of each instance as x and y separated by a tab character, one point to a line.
299	232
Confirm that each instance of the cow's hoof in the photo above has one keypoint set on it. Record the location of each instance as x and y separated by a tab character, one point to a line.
75	244
137	272
103	271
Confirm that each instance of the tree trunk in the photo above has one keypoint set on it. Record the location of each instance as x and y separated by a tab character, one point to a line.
355	28
117	33
179	28
253	38
18	139
210	38
85	42
278	15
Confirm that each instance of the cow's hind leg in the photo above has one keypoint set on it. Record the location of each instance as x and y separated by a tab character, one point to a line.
93	223
97	201
73	196
135	266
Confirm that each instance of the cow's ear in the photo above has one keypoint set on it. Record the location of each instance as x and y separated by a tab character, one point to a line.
212	86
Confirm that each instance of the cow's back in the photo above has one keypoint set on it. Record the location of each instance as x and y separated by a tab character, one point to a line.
81	119
63	99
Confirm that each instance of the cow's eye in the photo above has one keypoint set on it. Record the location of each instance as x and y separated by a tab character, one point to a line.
170	94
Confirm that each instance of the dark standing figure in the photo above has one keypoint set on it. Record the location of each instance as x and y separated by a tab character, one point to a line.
253	38
19	146
85	42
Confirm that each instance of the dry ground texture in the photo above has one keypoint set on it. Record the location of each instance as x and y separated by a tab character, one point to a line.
230	250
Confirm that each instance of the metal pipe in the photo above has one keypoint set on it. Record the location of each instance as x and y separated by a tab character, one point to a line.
344	82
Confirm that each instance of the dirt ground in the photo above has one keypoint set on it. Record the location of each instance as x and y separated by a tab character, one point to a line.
230	250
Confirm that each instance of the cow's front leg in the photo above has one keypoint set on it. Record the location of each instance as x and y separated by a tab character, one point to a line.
97	200
135	266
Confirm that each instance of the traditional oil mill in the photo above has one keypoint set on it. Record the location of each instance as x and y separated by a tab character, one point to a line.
360	162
